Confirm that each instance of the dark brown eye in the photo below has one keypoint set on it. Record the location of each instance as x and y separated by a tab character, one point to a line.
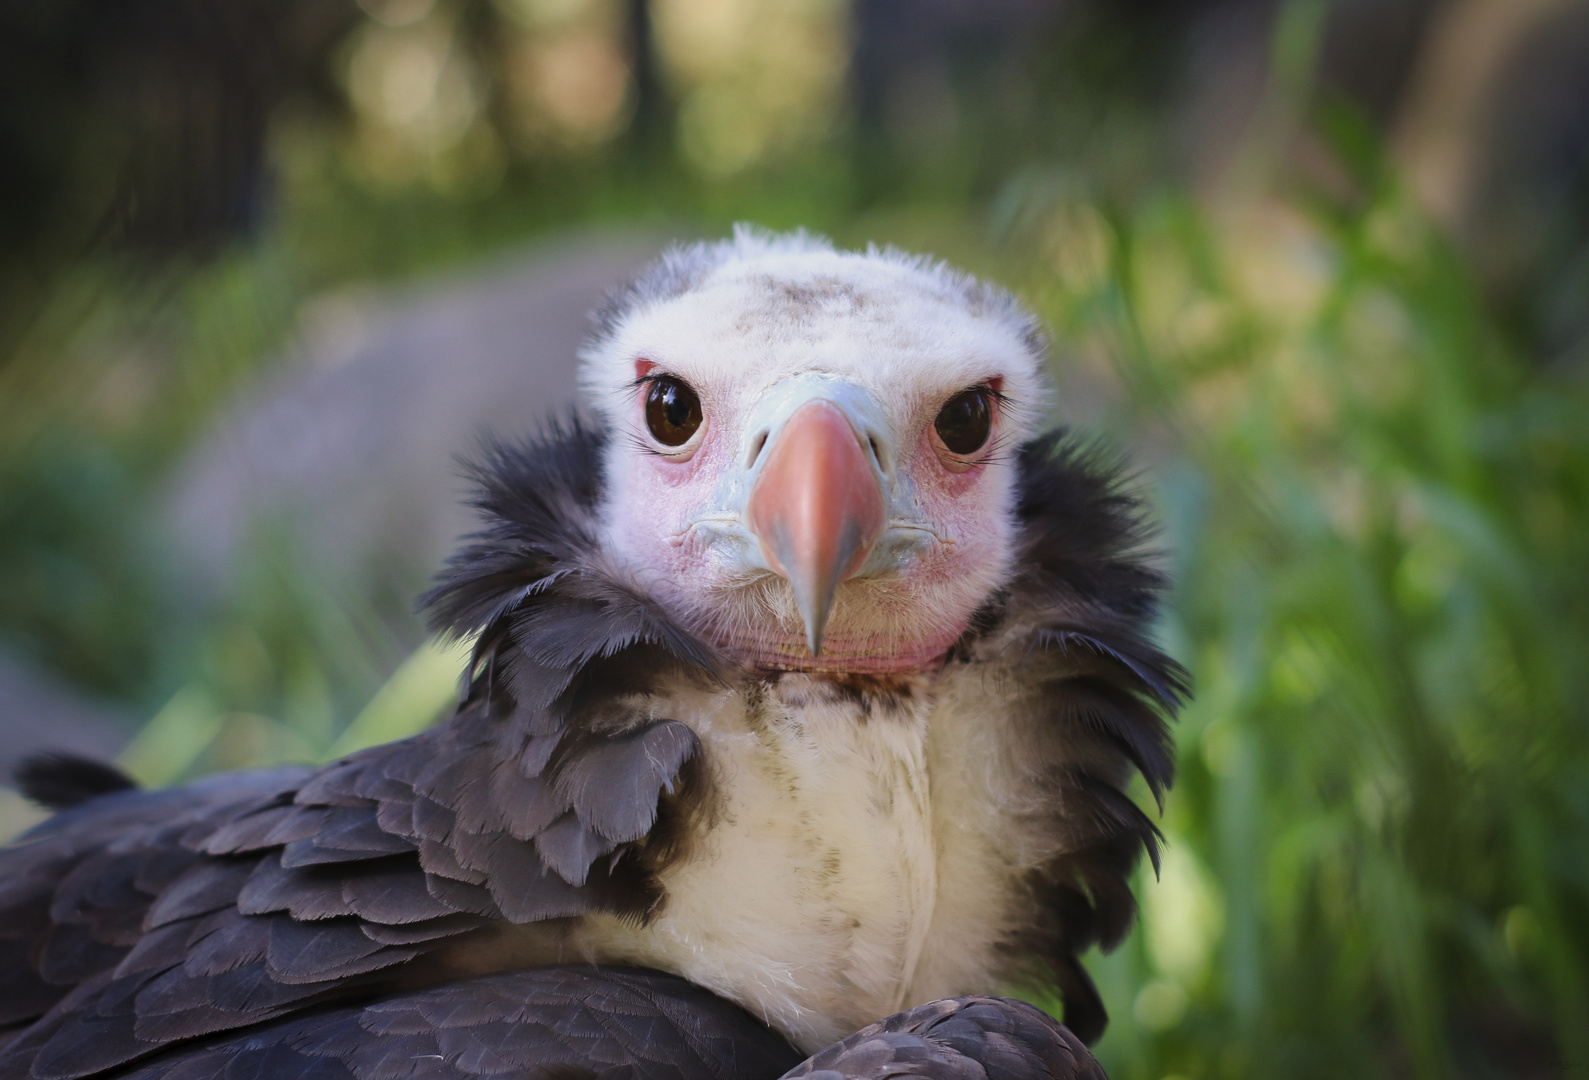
673	411
965	420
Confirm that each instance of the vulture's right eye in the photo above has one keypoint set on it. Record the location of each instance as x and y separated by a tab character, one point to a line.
673	410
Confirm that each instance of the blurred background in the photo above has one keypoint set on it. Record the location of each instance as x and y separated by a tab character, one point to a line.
1319	267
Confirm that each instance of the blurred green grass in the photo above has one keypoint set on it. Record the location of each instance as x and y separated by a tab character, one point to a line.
1378	514
1375	504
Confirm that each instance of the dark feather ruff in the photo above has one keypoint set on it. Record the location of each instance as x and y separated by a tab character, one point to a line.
1085	588
1089	595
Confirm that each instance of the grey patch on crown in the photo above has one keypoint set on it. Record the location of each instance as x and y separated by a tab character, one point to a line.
805	299
686	267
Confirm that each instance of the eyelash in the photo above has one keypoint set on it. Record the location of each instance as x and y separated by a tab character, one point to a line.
645	447
1002	401
992	452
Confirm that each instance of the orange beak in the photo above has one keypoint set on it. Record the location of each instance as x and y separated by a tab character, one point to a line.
816	508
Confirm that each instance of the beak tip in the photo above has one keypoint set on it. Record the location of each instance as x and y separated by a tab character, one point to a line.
816	628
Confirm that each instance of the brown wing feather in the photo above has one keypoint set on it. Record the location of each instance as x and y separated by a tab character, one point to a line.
310	891
551	1023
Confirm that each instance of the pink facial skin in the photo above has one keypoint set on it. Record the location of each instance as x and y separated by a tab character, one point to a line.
896	622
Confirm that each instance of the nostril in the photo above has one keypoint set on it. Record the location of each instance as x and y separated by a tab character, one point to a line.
755	448
879	455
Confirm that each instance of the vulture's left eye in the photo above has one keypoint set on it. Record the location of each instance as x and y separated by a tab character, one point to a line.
673	410
965	421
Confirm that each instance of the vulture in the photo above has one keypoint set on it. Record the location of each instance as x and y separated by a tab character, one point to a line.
808	683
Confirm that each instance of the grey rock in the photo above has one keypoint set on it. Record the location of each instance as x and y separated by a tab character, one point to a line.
344	460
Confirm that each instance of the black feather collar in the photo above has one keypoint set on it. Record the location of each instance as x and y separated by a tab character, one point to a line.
561	635
1084	600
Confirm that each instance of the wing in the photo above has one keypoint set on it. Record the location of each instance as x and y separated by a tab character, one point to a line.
167	917
173	916
967	1038
554	1023
74	892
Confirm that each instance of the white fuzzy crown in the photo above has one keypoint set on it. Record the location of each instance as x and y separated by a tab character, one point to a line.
779	303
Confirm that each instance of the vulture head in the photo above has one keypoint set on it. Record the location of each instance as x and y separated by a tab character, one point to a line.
811	454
